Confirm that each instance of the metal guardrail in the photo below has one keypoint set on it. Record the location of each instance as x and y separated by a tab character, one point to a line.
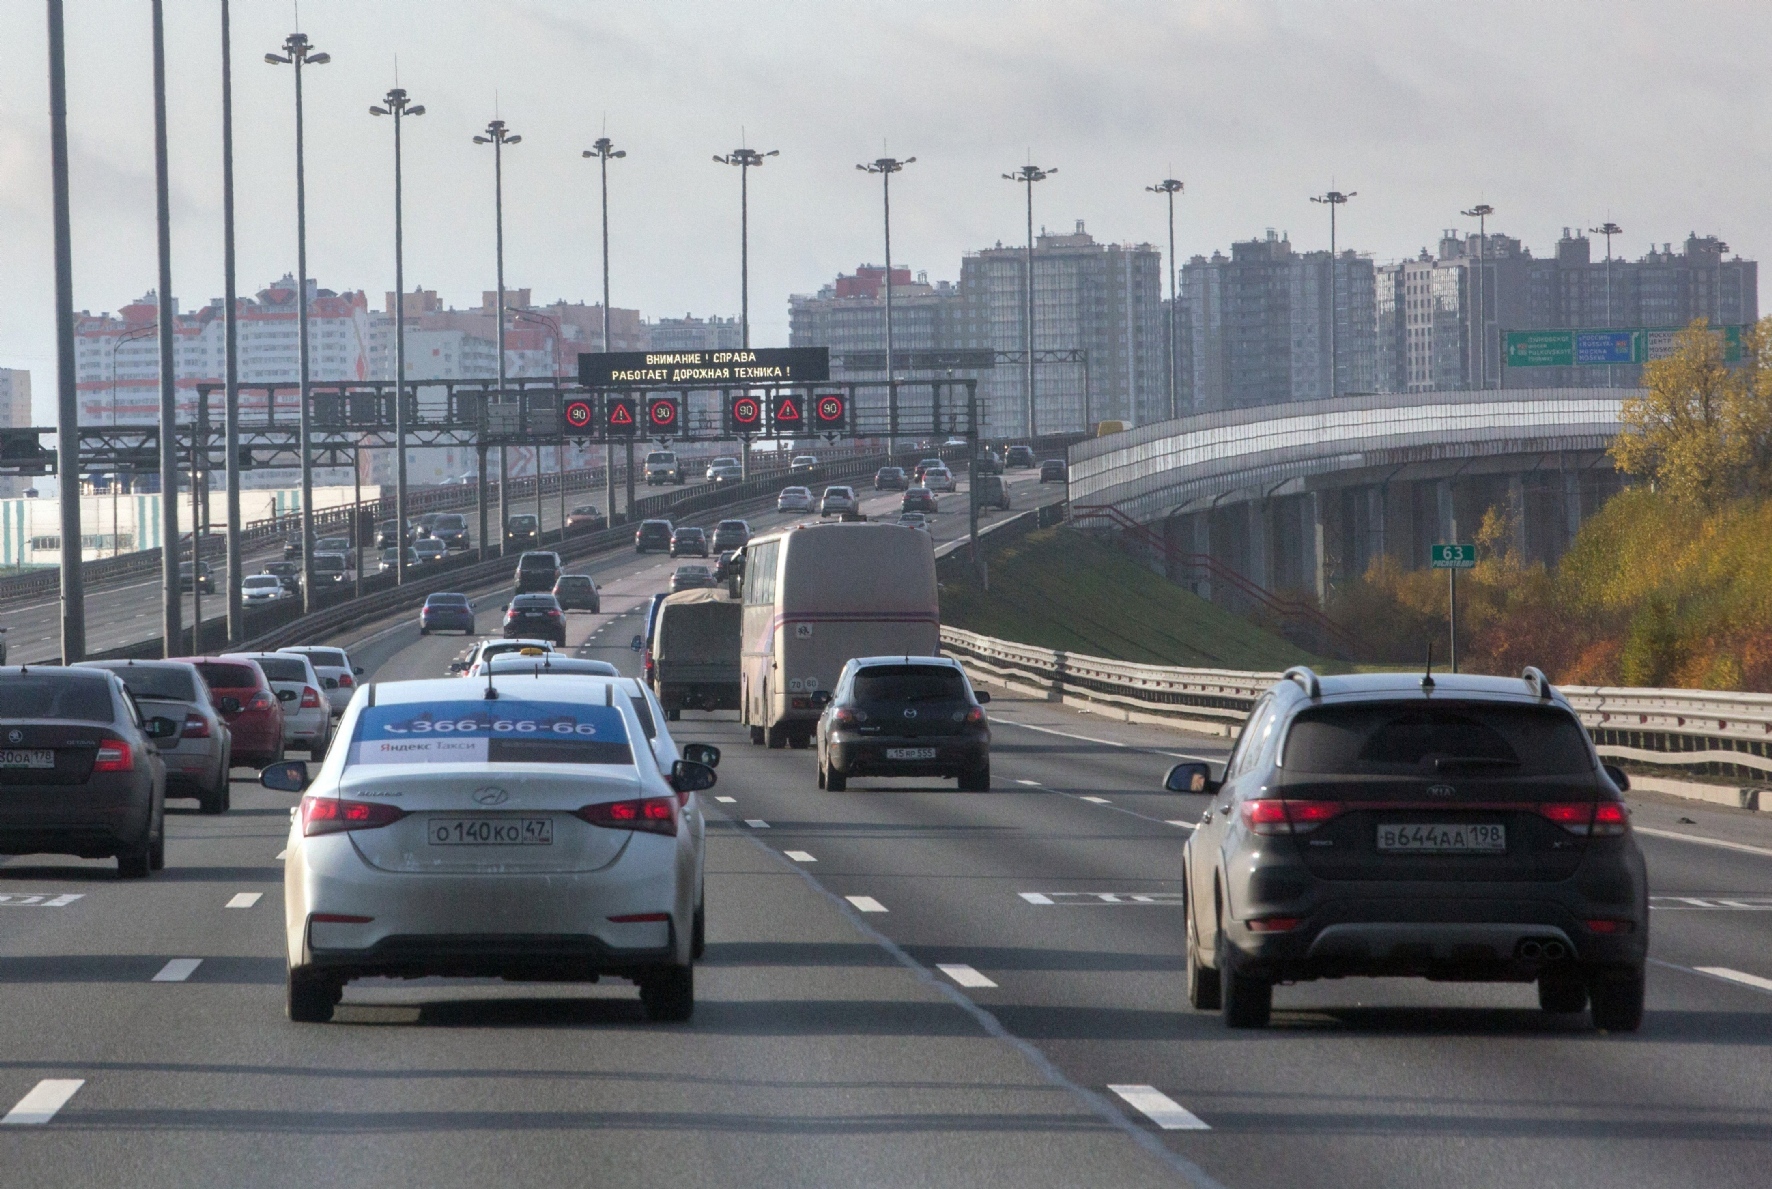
1718	734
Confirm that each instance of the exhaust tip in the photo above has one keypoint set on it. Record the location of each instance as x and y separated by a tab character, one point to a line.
1555	949
1530	950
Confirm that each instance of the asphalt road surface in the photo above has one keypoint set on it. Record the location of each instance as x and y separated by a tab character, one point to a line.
905	986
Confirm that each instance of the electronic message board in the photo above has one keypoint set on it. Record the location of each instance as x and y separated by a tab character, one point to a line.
761	365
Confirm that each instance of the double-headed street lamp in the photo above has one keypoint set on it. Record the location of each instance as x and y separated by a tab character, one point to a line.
604	151
1170	188
498	136
886	167
1028	175
1481	213
399	105
299	52
1333	199
746	160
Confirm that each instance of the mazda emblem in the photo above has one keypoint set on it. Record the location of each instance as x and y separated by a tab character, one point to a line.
910	714
1440	790
15	736
491	796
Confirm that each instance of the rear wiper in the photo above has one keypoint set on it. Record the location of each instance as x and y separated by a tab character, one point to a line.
1443	762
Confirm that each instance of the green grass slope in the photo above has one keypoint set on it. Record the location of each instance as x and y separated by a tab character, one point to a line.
1061	589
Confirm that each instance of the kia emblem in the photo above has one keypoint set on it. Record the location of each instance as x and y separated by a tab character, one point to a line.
15	736
491	796
1440	790
910	714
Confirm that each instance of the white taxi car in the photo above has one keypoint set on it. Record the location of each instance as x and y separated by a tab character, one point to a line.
526	833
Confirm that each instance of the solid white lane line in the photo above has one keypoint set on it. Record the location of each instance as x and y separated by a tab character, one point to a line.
799	856
45	1099
1160	1109
756	823
177	970
1180	755
245	899
1036	897
1717	842
865	904
964	974
1736	976
1178	822
1032	783
727	800
1096	800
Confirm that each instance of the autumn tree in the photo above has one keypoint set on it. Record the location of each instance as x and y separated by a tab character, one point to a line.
1702	430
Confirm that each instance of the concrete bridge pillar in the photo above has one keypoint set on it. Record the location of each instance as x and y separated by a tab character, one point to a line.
1377	544
1516	514
1202	544
1448	512
1257	512
1316	544
1571	506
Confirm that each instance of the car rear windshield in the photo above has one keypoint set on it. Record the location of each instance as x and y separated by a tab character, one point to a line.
1466	739
481	732
574	580
534	600
909	683
283	668
35	695
333	658
442	600
158	681
263	580
221	676
538	561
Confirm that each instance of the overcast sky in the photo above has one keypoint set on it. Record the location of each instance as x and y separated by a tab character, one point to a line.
1558	114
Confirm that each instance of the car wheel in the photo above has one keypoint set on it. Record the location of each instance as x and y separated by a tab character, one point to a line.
424	631
310	997
756	736
157	848
215	800
976	780
835	781
668	994
1246	1000
698	932
1562	992
1617	1000
776	737
134	862
1202	983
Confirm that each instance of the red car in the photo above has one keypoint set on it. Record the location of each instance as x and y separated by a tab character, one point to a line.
248	704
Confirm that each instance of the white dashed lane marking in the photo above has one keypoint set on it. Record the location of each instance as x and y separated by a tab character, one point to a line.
756	823
1178	822
727	800
38	899
1092	899
799	856
1160	1109
1036	897
1736	976
964	974
245	899
177	970
1096	800
1716	842
865	904
1029	783
45	1099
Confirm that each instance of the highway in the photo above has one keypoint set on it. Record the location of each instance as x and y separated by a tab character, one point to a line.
905	986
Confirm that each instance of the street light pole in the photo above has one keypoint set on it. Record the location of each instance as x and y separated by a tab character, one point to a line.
171	606
604	151
230	344
746	160
886	167
1481	213
128	336
297	50
1028	175
498	136
1333	199
1169	188
399	105
1608	229
67	436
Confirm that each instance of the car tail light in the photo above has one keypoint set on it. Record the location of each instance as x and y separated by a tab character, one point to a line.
1273	924
114	755
310	698
262	700
331	815
196	727
654	815
1308	815
1611	926
845	718
553	615
1274	816
975	715
345	681
1594	818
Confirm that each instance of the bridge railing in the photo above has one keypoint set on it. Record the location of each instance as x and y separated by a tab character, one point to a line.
1717	734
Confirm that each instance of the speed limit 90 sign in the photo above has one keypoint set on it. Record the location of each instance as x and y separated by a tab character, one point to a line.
744	413
830	410
579	414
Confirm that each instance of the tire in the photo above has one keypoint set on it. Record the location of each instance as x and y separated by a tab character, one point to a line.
157	848
835	781
698	932
756	736
309	998
1247	1001
976	780
673	714
1202	982
1561	992
424	631
799	740
135	862
1617	1000
668	994
214	801
776	737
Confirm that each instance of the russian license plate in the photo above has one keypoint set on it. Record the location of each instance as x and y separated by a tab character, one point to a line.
491	831
910	753
35	758
1443	838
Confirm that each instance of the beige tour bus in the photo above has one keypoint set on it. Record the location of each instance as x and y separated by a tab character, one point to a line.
816	596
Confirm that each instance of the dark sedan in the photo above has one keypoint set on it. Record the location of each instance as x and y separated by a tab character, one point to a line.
585	518
535	617
890	479
522	531
652	535
446	613
903	716
79	769
731	534
689	540
1052	471
691	578
577	592
918	499
287	572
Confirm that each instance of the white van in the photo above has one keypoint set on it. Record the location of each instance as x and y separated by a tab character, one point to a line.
818	595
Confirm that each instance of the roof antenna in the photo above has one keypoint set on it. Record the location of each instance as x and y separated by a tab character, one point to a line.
491	694
1427	676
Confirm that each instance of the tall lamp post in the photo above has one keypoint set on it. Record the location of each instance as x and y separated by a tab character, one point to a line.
299	52
230	343
1608	229
498	136
886	167
67	437
1169	188
399	105
604	151
172	608
1333	199
1028	175
746	160
1481	213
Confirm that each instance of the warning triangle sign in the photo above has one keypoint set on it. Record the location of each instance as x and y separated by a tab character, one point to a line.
619	415
788	409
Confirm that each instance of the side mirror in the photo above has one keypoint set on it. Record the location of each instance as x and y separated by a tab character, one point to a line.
821	698
228	705
358	670
457	666
1616	775
702	753
1194	776
286	695
983	696
290	776
330	683
687	776
506	607
637	643
161	728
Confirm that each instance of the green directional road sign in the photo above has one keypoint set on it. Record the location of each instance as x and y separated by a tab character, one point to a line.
1604	348
1454	557
1540	348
